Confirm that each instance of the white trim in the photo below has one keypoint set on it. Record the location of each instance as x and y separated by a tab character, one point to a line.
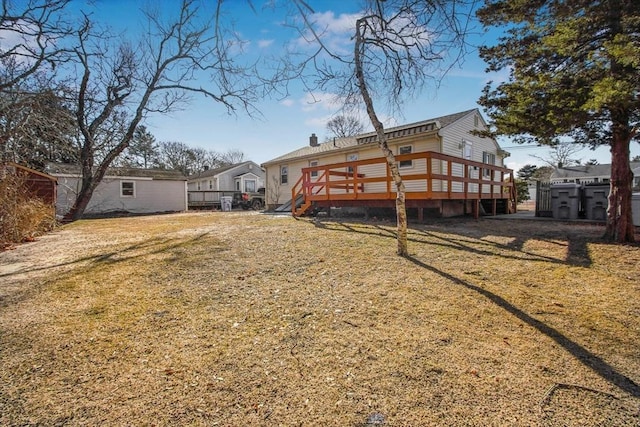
127	196
409	166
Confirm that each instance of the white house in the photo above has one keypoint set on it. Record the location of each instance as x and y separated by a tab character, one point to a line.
591	174
123	190
446	164
246	177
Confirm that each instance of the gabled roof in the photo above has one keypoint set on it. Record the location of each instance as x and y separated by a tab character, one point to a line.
159	174
220	170
245	174
588	171
434	124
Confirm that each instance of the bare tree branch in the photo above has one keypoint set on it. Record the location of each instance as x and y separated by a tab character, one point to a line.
123	83
32	31
398	46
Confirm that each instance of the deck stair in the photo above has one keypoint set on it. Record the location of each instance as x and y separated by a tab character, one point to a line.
287	206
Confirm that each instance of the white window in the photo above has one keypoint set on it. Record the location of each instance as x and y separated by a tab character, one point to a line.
250	185
210	185
127	189
284	174
467	150
313	163
237	185
490	159
353	157
198	185
405	149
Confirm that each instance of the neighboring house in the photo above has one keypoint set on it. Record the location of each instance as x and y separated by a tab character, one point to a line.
207	189
246	177
123	190
38	184
591	174
445	166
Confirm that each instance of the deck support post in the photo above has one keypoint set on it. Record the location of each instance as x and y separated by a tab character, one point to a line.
421	214
476	209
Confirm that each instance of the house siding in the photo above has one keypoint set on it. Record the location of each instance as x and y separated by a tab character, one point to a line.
225	180
151	196
447	140
453	142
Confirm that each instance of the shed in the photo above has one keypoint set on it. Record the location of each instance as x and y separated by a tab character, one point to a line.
123	190
39	184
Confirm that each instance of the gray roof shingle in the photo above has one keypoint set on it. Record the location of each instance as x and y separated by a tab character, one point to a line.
341	143
587	171
74	169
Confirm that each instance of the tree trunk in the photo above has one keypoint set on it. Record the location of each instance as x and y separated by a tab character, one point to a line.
401	211
81	202
90	180
620	226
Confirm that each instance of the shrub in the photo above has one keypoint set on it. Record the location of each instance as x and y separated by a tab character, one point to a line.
22	216
522	190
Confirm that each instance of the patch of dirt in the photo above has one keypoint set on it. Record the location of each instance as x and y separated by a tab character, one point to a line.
248	319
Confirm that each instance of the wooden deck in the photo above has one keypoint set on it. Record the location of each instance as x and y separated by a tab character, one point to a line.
210	199
428	176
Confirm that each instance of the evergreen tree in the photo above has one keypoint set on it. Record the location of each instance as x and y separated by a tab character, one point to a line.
526	172
574	75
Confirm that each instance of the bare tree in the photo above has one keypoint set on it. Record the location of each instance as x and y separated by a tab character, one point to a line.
188	160
344	126
34	30
232	156
561	154
36	126
274	191
34	118
175	155
120	84
398	46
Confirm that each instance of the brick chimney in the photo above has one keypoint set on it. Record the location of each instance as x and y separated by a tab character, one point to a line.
313	140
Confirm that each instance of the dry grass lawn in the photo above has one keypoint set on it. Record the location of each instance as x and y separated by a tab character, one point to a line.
238	319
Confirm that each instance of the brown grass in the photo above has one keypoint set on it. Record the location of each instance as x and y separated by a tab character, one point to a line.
238	319
22	217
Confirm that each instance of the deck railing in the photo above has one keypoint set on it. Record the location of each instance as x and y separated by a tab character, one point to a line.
426	175
209	198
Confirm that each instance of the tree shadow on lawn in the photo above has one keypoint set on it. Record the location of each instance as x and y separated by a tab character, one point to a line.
153	246
577	254
587	358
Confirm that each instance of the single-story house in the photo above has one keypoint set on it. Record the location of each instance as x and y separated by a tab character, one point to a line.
246	177
447	167
38	184
591	174
206	189
123	190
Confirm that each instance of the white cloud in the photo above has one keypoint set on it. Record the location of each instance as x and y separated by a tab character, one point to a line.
334	31
265	43
287	102
321	101
317	122
343	23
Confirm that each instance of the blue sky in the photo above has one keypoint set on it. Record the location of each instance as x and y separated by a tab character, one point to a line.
286	124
